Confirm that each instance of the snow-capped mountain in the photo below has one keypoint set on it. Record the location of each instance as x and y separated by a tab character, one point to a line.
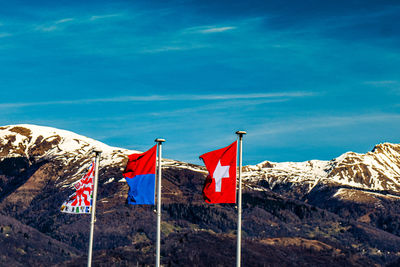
40	142
46	143
377	170
312	212
69	154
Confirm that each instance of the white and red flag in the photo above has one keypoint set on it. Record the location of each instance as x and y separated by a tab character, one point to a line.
220	185
80	202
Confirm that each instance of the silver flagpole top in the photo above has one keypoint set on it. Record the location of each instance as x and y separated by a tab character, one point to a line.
241	133
159	140
96	151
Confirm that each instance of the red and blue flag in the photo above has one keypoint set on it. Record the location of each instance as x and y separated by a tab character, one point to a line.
140	174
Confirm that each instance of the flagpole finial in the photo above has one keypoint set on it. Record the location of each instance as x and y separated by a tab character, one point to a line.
241	133
159	140
97	151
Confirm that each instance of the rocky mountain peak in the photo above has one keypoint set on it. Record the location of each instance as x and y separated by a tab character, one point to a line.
376	170
38	142
39	155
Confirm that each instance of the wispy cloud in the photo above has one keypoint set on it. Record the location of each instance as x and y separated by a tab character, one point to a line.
217	29
64	20
53	26
381	83
305	124
98	17
224	105
208	29
150	98
61	23
171	49
247	96
46	28
4	34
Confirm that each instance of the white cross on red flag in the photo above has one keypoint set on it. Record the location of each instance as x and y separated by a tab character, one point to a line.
220	184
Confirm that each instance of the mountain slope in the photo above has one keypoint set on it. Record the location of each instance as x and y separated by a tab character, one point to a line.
23	245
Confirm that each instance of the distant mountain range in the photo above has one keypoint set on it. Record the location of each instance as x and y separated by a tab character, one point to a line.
314	213
376	170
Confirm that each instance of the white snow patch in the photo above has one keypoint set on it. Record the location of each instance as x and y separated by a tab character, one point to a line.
109	180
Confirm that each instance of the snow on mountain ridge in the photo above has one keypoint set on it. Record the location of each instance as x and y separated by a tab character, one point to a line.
307	172
376	170
48	132
46	143
39	143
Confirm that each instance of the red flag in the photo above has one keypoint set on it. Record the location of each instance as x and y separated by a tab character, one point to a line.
139	164
220	185
140	174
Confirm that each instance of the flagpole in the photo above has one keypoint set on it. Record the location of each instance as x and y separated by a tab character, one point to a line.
158	247
93	220
239	223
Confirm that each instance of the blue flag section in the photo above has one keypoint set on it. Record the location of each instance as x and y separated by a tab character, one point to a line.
141	189
140	174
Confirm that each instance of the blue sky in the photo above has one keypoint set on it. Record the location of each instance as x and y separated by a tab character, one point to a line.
305	79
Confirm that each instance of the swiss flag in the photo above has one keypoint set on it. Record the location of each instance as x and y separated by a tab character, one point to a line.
220	185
